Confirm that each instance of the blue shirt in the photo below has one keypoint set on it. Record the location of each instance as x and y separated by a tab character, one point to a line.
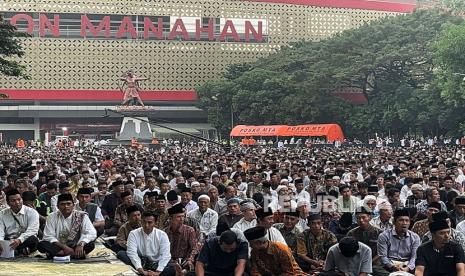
393	247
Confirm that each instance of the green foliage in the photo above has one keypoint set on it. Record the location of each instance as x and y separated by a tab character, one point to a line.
450	6
450	55
393	61
10	50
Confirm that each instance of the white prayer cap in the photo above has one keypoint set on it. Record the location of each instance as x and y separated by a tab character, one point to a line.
204	197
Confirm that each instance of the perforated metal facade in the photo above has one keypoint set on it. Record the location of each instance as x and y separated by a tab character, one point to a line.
74	64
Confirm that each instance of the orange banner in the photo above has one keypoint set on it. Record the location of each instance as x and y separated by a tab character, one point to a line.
332	132
242	130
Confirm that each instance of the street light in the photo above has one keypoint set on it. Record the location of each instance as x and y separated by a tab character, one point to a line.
232	116
215	98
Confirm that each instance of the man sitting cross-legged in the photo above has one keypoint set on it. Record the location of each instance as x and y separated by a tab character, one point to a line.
134	222
225	255
149	248
68	232
269	257
19	224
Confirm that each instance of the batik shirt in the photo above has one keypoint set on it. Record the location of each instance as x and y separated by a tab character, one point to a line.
317	247
294	239
421	227
383	226
183	243
277	259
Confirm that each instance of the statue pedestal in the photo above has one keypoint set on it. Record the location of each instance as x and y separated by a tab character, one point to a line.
134	127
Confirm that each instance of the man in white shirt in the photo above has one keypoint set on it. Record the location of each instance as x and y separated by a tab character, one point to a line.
149	248
19	224
249	220
346	202
64	188
301	194
303	207
68	232
265	219
186	200
151	186
384	220
380	184
406	190
204	216
353	170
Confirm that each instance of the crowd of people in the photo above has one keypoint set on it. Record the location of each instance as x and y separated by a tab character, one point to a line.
196	210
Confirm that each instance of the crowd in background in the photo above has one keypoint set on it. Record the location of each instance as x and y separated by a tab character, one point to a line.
191	209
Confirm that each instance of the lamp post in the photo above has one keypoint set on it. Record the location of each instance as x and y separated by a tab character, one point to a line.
215	98
232	116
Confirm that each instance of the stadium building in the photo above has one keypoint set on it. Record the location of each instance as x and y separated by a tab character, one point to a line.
78	49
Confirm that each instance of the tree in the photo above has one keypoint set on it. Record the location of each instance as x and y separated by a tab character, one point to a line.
10	50
213	98
391	61
456	7
450	56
